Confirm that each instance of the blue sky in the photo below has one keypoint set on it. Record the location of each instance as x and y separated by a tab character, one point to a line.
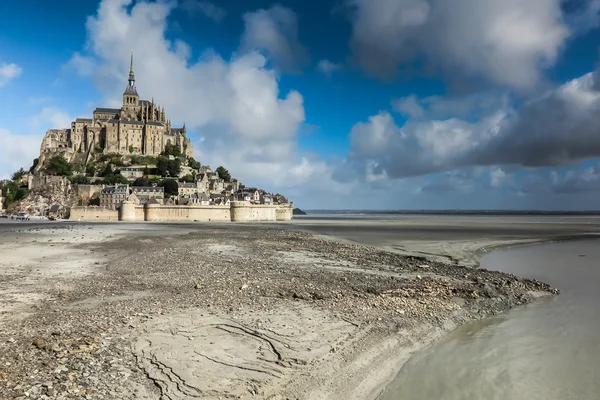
383	104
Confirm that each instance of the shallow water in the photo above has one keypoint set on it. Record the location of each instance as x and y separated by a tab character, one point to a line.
548	350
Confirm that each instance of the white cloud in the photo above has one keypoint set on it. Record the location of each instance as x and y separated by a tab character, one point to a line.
208	9
506	42
9	72
83	66
17	151
245	123
327	67
50	118
275	31
409	106
558	127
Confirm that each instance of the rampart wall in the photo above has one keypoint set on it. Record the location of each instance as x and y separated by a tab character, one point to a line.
93	214
238	211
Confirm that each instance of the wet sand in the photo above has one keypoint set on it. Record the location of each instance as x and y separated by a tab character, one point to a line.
457	239
250	311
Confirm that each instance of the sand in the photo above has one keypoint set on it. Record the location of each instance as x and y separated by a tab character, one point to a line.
236	311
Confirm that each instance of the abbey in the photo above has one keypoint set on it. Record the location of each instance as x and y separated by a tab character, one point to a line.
139	127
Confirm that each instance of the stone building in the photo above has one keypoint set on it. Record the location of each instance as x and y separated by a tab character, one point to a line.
111	197
139	127
146	193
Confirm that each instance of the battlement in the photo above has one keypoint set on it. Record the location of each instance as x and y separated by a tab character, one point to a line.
237	211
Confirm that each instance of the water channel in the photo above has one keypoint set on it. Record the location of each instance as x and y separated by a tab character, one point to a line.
548	350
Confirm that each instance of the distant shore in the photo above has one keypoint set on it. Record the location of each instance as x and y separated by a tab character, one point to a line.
263	311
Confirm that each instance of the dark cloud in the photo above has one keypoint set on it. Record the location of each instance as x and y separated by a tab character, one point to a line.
460	39
275	31
558	127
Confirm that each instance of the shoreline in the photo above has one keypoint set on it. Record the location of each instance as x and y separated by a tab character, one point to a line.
368	308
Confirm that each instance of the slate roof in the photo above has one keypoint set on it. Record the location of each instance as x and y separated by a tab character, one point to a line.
132	122
107	110
146	189
154	123
120	189
131	90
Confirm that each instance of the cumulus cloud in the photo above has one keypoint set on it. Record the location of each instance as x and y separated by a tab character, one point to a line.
50	117
17	149
558	127
9	72
327	67
275	31
505	42
208	9
245	123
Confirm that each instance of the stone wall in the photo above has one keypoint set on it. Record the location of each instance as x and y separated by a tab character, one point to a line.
239	211
93	214
41	181
243	211
194	213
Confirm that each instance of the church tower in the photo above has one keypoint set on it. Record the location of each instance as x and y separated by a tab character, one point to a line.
131	99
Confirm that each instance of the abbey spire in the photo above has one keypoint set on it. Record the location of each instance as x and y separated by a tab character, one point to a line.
130	89
131	74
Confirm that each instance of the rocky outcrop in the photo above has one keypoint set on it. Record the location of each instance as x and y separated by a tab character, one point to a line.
57	190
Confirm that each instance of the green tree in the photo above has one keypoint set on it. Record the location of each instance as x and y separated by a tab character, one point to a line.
174	167
192	163
91	169
171	186
144	181
189	178
114	179
171	150
162	166
16	177
224	174
131	149
108	170
58	165
79	180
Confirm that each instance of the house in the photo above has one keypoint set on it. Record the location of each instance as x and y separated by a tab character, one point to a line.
266	199
243	196
217	198
56	211
188	189
111	197
133	172
197	199
145	193
134	199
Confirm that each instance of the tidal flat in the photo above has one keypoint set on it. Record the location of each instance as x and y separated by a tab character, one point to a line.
308	310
